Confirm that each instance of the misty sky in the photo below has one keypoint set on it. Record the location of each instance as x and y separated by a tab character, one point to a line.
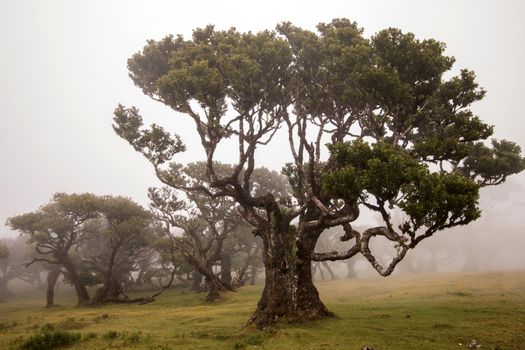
63	71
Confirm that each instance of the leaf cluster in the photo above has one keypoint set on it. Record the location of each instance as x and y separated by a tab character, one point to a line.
389	174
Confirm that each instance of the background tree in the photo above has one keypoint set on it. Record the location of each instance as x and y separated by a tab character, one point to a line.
51	280
116	240
400	138
12	254
202	231
245	249
171	262
55	229
210	228
89	239
14	257
326	242
6	275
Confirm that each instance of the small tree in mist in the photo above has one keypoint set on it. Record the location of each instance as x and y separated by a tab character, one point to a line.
55	229
202	230
118	238
85	237
400	138
4	255
14	255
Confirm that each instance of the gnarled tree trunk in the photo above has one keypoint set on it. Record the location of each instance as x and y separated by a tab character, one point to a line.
215	284
102	292
289	292
80	289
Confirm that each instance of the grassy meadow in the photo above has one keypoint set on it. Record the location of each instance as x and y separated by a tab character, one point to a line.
417	311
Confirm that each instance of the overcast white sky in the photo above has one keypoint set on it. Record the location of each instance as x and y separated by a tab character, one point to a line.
63	71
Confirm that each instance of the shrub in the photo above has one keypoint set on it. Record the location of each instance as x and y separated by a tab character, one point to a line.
49	338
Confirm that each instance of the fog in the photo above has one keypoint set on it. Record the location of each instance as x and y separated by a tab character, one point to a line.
63	71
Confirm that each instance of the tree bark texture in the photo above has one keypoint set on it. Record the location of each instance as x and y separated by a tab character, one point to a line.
80	289
289	293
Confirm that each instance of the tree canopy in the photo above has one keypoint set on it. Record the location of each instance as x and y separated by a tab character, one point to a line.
58	229
400	137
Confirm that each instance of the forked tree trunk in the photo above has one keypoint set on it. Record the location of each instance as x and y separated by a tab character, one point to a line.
289	293
80	289
52	278
215	289
102	293
215	285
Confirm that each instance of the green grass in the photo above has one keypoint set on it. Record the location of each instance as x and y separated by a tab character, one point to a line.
418	311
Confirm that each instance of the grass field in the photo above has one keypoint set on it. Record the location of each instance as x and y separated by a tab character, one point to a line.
418	311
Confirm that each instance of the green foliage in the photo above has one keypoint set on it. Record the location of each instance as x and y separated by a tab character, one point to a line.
431	200
442	200
80	232
493	165
55	224
247	67
155	144
411	60
391	84
401	135
49	338
125	218
379	170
